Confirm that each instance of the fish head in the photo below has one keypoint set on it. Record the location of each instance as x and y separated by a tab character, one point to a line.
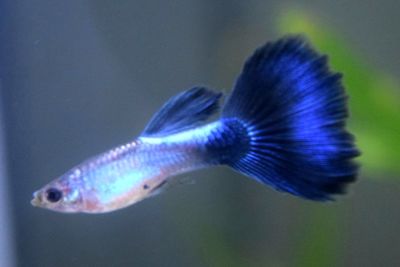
61	195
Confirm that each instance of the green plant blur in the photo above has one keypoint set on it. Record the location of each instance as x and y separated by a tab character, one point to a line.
375	122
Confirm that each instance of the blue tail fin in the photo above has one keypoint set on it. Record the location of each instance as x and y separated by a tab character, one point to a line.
294	109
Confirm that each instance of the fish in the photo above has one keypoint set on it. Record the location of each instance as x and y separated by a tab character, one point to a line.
283	125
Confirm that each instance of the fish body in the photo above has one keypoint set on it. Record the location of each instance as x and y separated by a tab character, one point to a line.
136	170
282	125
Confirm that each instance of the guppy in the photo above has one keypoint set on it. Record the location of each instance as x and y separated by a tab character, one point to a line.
283	125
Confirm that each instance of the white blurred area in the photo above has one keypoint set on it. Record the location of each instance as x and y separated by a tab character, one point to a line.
6	230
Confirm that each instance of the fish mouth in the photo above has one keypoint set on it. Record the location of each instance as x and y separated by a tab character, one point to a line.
37	199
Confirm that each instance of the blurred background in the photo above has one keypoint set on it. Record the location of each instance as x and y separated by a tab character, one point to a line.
79	77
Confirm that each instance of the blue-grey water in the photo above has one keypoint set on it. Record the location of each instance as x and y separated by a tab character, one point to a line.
79	77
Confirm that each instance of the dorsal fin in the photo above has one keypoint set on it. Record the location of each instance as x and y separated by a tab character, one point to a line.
183	111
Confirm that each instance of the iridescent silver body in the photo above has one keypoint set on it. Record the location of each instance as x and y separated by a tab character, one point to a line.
130	172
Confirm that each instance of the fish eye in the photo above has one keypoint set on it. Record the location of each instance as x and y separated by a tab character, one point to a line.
53	195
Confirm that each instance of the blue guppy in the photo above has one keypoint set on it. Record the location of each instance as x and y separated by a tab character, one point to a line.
283	125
